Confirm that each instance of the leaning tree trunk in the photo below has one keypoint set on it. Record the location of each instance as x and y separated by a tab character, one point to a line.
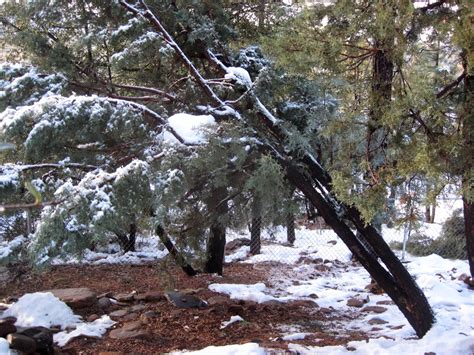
396	281
218	209
315	184
174	252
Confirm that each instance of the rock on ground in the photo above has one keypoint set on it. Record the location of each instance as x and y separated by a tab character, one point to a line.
76	298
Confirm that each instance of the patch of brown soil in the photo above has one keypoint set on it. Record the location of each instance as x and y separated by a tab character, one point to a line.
173	328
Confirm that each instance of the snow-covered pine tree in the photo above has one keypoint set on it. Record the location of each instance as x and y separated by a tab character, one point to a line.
93	138
229	96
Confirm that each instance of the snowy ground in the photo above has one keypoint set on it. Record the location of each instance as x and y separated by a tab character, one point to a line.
452	302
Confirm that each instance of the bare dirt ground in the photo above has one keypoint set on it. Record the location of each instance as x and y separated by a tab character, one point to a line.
173	328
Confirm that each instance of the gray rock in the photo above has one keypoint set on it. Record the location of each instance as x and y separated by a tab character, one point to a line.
235	244
131	330
124	297
150	296
43	338
21	343
104	303
130	316
181	300
375	309
10	319
76	298
377	321
119	313
355	302
148	316
137	308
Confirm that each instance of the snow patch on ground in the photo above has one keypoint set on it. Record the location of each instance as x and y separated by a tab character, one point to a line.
232	320
43	309
295	336
450	298
238	349
96	328
149	249
253	292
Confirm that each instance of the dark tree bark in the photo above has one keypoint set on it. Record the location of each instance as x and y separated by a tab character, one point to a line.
256	228
396	281
127	243
218	209
174	252
290	228
468	164
469	232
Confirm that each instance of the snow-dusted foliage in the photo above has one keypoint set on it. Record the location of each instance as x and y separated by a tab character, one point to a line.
75	123
252	59
24	85
102	203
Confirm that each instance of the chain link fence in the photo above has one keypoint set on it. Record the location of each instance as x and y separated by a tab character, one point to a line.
420	235
302	236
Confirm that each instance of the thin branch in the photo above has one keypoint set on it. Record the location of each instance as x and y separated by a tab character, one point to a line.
417	117
432	6
153	114
57	166
24	206
451	86
136	98
148	15
171	97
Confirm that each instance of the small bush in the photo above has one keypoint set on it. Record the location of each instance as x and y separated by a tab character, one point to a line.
451	244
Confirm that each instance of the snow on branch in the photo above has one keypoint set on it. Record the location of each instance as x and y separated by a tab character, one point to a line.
156	23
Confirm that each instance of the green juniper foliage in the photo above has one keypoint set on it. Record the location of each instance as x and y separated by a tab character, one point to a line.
415	134
100	83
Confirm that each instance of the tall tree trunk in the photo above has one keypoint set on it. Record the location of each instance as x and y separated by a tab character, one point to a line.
218	209
261	15
433	212
256	227
127	242
290	228
468	161
428	213
380	102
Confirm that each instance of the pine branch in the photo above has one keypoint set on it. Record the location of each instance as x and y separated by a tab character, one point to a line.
57	166
152	19
25	206
169	96
451	86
